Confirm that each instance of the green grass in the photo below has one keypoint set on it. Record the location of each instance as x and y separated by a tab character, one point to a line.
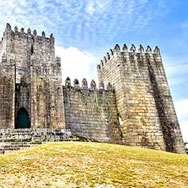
77	164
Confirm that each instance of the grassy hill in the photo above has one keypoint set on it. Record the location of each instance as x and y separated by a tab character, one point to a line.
77	164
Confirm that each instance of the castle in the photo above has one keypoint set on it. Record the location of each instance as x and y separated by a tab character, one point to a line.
132	106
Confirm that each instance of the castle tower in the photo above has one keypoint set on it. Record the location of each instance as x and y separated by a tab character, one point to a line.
145	107
31	93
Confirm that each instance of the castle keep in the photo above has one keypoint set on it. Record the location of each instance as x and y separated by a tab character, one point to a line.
131	106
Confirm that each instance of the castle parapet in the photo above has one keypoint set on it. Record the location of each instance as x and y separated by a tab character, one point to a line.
76	83
128	51
28	34
84	83
84	86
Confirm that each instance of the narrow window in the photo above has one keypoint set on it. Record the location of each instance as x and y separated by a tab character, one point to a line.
31	49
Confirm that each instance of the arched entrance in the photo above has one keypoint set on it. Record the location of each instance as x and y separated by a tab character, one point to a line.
22	119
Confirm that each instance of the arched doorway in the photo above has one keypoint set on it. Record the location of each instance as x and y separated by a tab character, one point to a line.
22	119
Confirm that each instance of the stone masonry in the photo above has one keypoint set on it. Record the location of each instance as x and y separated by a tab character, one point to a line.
132	106
91	112
145	108
30	80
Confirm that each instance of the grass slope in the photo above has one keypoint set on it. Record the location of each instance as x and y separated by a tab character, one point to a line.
77	164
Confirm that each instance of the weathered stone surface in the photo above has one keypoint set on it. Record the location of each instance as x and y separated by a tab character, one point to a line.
92	113
30	77
135	109
16	139
146	112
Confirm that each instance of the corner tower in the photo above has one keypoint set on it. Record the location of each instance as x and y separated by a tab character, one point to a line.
145	107
34	78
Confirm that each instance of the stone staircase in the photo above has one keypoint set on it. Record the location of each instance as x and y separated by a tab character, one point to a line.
16	139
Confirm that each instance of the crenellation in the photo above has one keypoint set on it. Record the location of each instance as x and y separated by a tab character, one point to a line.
101	85
139	99
157	55
68	82
22	30
16	29
37	61
29	31
92	114
27	35
133	53
108	56
84	84
93	85
76	83
116	49
35	32
8	27
43	34
101	64
148	49
141	49
51	35
157	50
132	104
104	60
133	48
125	48
111	53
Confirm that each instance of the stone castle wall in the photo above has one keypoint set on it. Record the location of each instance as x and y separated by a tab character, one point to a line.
6	100
7	87
37	76
137	109
91	112
46	92
140	89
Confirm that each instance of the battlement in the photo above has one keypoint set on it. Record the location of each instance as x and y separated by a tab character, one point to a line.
132	51
84	85
23	34
131	104
25	45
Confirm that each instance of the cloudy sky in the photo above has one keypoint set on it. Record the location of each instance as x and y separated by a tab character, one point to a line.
86	29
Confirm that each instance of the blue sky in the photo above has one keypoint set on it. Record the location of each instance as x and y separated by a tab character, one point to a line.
86	29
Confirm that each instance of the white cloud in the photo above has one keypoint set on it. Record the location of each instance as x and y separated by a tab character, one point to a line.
184	130
184	25
96	6
85	19
90	8
176	69
182	113
77	64
182	108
